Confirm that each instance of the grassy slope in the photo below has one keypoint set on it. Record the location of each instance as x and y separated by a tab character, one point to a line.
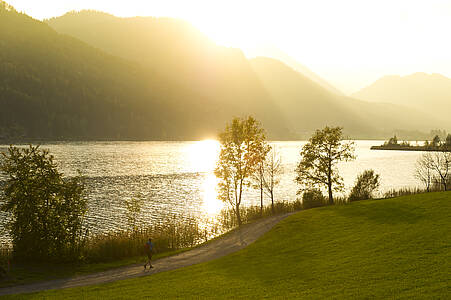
384	248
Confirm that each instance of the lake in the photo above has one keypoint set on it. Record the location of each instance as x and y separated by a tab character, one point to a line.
176	178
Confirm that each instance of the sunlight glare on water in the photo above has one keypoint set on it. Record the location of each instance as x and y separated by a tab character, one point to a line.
203	156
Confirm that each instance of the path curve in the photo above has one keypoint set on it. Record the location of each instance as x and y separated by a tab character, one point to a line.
228	244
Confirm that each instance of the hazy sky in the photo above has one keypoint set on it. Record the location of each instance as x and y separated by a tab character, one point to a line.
350	43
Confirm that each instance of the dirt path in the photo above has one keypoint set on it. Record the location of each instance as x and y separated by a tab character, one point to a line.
228	244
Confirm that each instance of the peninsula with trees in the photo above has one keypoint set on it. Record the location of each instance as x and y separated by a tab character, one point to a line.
436	144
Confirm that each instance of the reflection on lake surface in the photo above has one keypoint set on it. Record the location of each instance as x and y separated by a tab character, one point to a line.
176	178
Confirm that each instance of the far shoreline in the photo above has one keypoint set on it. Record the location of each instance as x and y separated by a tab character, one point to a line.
411	148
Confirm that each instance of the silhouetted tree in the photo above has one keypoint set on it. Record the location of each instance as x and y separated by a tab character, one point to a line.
365	186
258	178
313	198
46	209
440	164
319	158
272	171
424	170
393	140
436	141
448	140
242	150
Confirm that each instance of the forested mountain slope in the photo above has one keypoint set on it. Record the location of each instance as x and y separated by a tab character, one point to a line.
55	86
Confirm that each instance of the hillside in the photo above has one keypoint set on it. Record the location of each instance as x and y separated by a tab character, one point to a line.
182	54
392	248
308	106
275	53
56	87
430	93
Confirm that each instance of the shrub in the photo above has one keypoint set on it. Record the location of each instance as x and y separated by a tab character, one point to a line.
365	186
46	209
313	198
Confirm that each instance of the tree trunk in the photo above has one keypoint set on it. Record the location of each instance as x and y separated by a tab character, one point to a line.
272	202
238	215
331	199
261	197
329	183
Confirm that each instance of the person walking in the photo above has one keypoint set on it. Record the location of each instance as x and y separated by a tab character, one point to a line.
149	247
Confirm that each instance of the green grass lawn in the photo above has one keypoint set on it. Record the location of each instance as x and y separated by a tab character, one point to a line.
394	248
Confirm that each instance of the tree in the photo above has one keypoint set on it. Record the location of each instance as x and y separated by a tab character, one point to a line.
272	171
393	140
319	158
258	178
267	175
448	140
242	150
424	170
133	206
440	164
366	184
312	198
47	210
436	141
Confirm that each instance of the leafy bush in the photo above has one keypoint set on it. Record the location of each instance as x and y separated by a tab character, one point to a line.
46	209
366	184
313	198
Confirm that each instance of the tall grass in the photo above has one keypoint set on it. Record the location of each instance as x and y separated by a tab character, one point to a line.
228	219
435	187
172	234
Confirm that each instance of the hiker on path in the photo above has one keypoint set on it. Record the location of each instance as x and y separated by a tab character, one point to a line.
149	247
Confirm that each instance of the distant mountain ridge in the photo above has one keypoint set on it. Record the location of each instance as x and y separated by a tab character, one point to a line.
374	120
276	53
104	77
430	93
319	107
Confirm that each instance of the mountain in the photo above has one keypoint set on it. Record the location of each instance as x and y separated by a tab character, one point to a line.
90	75
179	52
430	93
174	49
308	106
55	86
274	52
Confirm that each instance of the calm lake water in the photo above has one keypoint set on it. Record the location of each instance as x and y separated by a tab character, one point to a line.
176	178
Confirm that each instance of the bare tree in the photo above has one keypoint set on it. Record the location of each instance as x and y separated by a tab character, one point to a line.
440	164
272	171
258	179
424	170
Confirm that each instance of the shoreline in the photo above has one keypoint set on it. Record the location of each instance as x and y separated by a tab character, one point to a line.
412	148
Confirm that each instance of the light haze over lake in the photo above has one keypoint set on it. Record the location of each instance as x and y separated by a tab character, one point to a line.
176	178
